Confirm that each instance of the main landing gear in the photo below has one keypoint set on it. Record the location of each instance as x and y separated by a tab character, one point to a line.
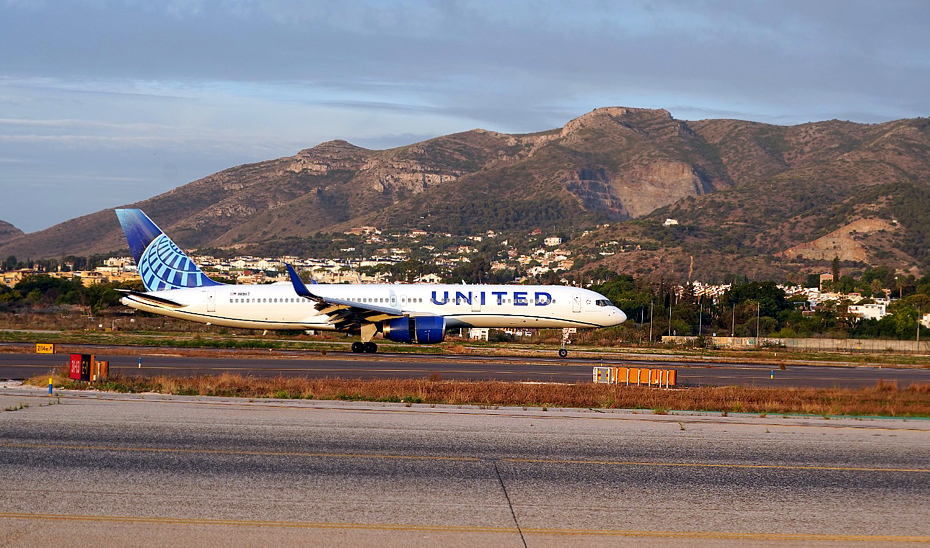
368	347
566	333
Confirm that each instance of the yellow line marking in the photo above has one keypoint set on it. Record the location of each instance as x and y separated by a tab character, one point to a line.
462	459
231	452
720	465
470	529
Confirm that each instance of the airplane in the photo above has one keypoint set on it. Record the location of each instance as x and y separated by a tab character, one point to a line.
409	313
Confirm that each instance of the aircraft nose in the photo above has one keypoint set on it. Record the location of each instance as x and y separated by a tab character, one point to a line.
621	317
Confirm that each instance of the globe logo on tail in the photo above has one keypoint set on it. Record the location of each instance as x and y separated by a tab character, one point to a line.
164	266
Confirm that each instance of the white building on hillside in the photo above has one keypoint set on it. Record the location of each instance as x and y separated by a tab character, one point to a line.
873	311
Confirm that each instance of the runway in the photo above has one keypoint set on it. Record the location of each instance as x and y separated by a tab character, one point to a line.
178	362
155	470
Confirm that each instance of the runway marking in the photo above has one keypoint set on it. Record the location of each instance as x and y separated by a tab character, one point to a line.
232	452
722	465
463	458
718	535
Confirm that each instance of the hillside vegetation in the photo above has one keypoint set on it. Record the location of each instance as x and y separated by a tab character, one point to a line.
745	194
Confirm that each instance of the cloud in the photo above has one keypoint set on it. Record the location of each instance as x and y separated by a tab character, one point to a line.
115	87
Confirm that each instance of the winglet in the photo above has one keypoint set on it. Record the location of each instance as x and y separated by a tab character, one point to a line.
299	286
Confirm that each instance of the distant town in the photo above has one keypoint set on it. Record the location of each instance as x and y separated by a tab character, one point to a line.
417	256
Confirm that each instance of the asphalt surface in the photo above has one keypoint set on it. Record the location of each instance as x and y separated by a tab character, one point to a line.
464	367
154	470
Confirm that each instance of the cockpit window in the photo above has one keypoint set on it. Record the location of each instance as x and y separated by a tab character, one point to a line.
603	302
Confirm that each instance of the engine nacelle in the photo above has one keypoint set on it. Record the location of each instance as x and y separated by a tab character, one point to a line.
416	329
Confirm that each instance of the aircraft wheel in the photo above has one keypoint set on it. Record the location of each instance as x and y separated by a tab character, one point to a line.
371	347
563	353
358	347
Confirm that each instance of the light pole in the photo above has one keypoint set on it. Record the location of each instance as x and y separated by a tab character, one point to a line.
733	322
650	321
757	323
701	319
669	317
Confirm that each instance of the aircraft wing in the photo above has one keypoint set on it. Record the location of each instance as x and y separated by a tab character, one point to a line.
344	314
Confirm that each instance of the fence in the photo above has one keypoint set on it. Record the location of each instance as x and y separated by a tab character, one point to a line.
835	345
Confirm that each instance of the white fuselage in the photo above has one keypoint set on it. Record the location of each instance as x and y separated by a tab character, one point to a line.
277	306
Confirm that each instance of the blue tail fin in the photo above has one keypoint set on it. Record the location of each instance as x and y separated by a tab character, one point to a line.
161	263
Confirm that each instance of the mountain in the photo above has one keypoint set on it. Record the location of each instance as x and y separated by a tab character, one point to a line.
612	163
801	196
754	197
8	232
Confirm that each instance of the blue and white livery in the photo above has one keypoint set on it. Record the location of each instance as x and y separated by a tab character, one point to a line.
411	313
161	263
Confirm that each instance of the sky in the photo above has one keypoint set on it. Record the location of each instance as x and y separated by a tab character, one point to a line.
108	102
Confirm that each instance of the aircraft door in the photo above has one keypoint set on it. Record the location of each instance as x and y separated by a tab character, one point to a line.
576	302
211	301
476	303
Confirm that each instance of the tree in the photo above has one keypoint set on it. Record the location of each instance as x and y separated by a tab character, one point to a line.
836	269
812	280
771	299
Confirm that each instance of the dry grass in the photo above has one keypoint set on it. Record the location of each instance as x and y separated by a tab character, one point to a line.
885	399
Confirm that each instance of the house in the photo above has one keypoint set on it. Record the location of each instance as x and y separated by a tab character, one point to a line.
13	277
670	222
552	241
478	333
873	311
429	279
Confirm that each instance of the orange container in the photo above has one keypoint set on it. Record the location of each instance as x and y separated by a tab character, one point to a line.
655	376
622	375
644	375
672	374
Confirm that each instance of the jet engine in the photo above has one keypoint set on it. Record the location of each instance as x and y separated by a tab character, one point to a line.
416	329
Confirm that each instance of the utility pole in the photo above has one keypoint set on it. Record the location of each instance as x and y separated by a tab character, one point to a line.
733	323
918	329
701	319
670	318
757	323
650	321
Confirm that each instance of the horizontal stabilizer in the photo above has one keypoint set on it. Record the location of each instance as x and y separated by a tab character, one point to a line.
148	298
